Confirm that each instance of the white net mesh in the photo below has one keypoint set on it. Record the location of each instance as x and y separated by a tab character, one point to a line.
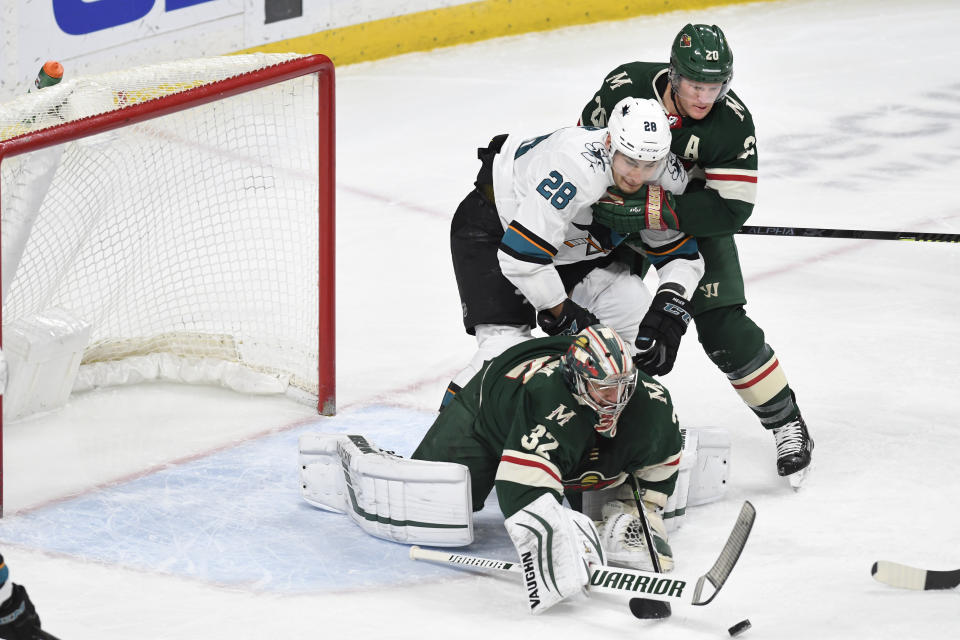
78	98
188	242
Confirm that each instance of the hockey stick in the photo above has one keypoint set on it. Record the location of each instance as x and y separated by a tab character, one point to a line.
631	582
642	607
603	579
905	577
727	560
862	234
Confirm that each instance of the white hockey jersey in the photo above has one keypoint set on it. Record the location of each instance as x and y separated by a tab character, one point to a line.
544	188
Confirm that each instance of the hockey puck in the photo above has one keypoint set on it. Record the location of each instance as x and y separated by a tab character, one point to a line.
739	628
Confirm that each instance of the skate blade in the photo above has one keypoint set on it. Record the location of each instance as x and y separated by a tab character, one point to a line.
796	479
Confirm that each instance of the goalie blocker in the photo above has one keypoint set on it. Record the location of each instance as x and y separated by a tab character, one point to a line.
429	503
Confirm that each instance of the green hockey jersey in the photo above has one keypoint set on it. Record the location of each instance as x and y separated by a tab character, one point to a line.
540	439
720	150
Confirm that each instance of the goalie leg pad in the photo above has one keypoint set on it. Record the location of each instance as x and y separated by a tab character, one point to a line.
321	474
675	506
389	497
708	479
556	546
703	473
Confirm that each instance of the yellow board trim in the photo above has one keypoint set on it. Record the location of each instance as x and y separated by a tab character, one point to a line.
471	22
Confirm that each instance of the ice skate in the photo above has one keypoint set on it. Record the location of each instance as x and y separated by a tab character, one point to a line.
794	450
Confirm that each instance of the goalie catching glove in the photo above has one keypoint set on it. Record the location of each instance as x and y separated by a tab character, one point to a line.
651	207
572	320
661	329
621	534
556	547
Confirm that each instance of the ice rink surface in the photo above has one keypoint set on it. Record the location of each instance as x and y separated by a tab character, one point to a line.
164	512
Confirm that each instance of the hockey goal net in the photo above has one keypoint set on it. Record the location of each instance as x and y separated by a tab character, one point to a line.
171	222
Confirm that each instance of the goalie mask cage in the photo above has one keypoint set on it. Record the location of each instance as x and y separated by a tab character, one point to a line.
171	222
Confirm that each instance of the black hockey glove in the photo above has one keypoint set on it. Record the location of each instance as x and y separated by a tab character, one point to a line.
660	332
572	320
18	618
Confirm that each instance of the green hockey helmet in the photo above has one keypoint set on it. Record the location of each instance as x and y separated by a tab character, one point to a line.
700	53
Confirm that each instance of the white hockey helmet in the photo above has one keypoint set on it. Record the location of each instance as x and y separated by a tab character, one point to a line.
639	129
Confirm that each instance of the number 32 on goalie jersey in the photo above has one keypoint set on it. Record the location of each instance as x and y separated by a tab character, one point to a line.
533	442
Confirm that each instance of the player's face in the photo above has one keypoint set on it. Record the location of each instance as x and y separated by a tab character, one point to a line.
610	397
604	396
629	174
695	99
614	391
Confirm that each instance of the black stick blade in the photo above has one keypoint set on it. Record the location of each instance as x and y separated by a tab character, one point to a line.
649	609
907	577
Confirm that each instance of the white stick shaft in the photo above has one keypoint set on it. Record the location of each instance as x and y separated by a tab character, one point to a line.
445	557
629	583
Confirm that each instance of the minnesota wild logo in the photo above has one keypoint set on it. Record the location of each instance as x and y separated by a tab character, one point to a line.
589	481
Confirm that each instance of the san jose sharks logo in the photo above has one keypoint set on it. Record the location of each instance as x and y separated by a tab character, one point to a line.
675	167
596	155
600	238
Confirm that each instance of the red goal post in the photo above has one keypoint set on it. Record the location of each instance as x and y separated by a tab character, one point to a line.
173	222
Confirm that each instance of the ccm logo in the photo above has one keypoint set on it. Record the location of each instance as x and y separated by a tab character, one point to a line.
77	17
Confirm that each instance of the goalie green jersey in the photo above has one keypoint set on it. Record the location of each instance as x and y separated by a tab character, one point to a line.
518	427
720	150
